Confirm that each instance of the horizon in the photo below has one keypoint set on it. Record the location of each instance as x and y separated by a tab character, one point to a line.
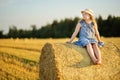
24	13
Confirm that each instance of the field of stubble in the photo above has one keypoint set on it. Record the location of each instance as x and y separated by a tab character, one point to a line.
19	58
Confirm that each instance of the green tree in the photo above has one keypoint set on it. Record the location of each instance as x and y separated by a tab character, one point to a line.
34	31
13	31
1	34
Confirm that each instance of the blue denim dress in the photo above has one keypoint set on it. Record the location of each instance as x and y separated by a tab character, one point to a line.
86	34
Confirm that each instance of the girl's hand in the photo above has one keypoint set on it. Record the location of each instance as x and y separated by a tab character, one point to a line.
68	42
101	44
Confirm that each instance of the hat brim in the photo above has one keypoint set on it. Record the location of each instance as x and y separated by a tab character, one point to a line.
87	12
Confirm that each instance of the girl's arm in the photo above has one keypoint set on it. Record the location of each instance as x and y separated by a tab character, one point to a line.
97	34
75	33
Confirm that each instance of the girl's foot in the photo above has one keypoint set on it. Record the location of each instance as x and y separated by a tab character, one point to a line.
95	61
98	62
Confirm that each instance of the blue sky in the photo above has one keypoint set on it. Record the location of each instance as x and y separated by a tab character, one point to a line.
24	13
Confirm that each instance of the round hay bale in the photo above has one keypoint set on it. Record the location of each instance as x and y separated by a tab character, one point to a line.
69	62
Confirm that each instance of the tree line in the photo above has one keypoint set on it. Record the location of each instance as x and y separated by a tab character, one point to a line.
109	27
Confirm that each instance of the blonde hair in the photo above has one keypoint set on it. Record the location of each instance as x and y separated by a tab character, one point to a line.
94	21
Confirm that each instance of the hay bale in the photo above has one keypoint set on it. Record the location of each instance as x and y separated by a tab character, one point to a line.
70	62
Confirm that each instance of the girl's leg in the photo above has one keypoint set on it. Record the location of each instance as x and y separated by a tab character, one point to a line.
97	52
91	52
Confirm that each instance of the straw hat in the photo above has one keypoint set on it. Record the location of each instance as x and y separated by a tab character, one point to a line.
89	11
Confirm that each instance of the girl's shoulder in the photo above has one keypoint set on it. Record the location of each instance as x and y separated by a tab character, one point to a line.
81	21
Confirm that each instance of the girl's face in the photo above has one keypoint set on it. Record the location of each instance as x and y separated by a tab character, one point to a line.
86	16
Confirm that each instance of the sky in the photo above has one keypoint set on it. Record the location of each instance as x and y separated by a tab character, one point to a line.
24	13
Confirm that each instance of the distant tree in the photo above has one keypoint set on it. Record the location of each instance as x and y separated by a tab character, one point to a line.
13	31
34	31
115	27
100	24
1	34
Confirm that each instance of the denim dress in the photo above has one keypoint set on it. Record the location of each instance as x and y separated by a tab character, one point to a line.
86	34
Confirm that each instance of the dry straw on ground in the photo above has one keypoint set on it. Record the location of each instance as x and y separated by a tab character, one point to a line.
70	62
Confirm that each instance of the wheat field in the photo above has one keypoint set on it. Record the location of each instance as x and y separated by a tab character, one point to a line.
19	58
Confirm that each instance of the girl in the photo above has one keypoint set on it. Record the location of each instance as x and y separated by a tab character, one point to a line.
87	28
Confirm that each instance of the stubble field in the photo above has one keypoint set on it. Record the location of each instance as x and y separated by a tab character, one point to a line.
19	58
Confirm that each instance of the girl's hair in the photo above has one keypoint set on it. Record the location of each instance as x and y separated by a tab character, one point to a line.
94	21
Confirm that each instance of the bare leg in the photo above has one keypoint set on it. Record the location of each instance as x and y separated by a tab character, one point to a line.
91	52
97	52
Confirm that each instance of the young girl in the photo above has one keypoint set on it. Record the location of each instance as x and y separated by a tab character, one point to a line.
87	28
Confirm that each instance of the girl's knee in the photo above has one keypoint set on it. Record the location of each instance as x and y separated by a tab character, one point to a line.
94	44
88	45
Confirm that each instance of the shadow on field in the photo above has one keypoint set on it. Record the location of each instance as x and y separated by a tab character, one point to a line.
85	62
80	65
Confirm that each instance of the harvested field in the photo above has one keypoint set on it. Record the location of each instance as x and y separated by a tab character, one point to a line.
20	59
